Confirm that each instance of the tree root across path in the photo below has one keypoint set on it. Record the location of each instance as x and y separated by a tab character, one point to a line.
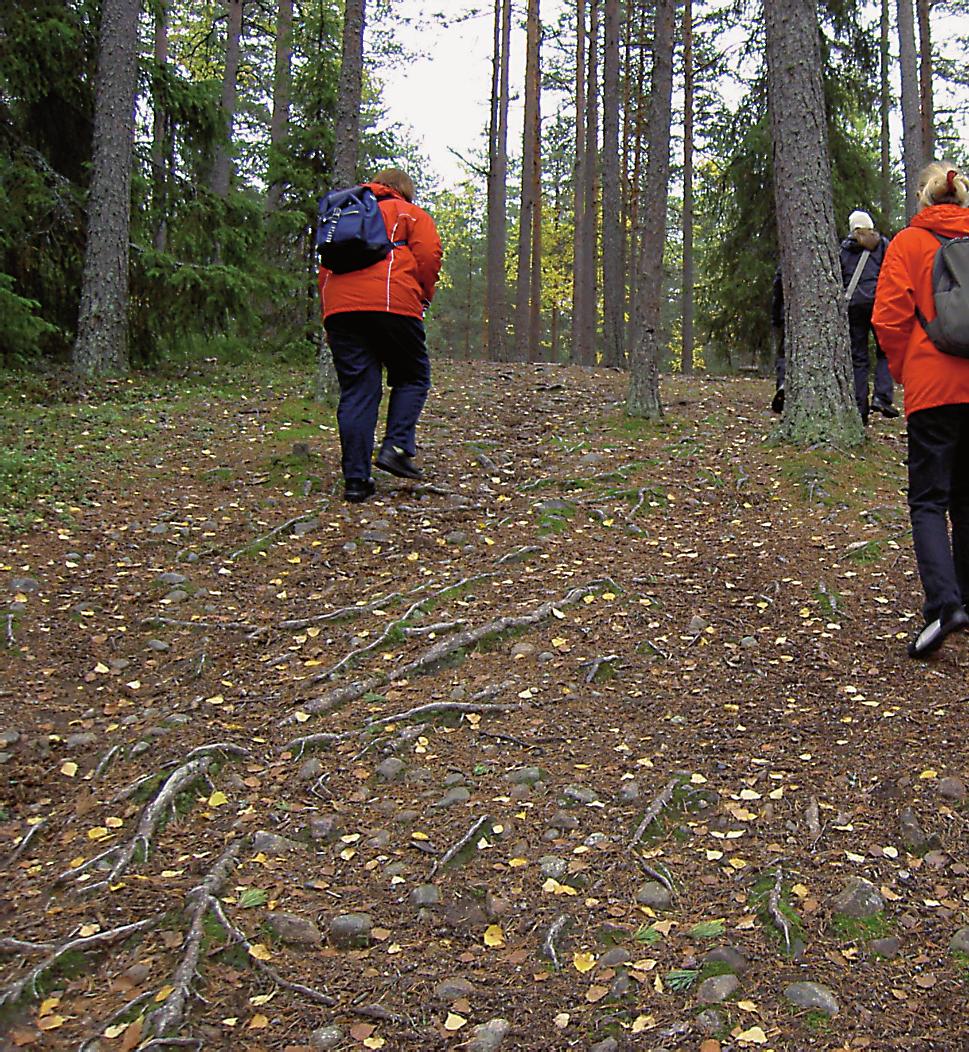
121	855
445	648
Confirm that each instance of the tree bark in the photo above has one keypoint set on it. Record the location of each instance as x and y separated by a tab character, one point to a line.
496	289
686	358
638	118
160	132
912	150
613	279
282	86
819	405
346	121
645	353
230	76
885	108
926	67
528	291
580	349
591	270
102	332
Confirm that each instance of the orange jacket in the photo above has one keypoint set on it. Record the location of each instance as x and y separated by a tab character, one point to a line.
403	282
930	378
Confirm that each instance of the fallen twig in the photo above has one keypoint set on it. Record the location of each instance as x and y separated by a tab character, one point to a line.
27	837
774	907
105	761
28	983
10	637
813	819
458	846
548	943
518	553
656	874
655	809
595	664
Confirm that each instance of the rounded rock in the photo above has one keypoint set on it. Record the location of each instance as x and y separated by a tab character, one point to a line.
859	899
812	996
351	930
425	895
960	941
717	988
327	1037
487	1037
654	895
450	989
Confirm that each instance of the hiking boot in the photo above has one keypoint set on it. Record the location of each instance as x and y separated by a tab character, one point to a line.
356	491
398	463
885	408
777	402
933	635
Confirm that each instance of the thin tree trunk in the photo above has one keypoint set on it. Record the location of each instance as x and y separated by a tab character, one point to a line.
645	353
233	48
613	281
346	120
819	404
912	151
885	108
686	359
347	132
102	331
159	153
635	182
591	272
282	84
496	290
527	292
580	349
926	66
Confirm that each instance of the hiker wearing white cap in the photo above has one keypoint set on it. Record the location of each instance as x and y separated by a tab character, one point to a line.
862	253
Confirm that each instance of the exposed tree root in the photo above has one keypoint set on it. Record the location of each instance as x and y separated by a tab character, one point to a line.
777	917
121	855
310	740
655	809
445	648
105	762
549	948
28	983
11	947
813	819
218	626
288	524
433	708
483	823
33	831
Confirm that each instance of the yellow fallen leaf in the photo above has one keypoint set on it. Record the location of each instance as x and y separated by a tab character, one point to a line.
555	888
88	929
608	596
69	768
559	641
48	1005
258	1022
747	1006
301	717
101	667
313	632
596	993
217	799
494	936
562	1020
754	1036
374	1042
134	684
584	962
50	1022
260	952
113	822
115	1031
163	994
97	833
643	1022
925	775
454	1021
419	836
261	999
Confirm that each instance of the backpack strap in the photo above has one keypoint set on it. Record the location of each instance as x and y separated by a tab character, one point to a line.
856	277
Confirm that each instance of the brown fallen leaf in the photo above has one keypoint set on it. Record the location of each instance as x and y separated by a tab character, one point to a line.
596	993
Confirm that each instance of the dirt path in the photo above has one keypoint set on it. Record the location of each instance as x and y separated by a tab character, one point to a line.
664	718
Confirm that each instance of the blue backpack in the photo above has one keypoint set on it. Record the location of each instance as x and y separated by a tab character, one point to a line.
350	231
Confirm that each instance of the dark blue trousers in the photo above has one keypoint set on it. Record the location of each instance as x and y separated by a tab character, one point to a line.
363	343
938	487
859	325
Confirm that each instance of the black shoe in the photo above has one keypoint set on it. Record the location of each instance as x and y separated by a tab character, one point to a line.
933	635
356	491
777	402
398	463
885	408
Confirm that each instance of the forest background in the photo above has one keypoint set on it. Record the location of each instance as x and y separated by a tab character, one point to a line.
237	111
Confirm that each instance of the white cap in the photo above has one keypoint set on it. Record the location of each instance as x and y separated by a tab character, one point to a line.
860	221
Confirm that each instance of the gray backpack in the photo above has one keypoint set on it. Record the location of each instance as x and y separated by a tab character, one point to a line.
949	330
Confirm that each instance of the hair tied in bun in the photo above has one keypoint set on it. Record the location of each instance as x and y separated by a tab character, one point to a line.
950	176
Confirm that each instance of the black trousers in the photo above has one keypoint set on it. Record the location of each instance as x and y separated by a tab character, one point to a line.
859	325
938	496
363	343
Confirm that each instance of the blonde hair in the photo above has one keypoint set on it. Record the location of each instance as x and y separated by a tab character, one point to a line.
397	180
941	182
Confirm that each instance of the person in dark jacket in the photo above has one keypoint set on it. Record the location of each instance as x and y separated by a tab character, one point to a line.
859	273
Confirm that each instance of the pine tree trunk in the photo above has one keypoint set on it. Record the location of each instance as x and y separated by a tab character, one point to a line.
102	331
347	131
282	86
496	289
926	66
885	109
634	232
613	280
820	405
346	121
645	353
580	350
233	49
160	134
686	359
912	151
591	271
527	291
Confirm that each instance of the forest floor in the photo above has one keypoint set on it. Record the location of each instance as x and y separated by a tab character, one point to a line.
670	726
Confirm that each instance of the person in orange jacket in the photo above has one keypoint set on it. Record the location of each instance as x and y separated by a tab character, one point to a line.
374	320
936	403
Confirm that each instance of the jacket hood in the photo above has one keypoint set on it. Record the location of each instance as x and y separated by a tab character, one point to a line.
383	191
947	220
